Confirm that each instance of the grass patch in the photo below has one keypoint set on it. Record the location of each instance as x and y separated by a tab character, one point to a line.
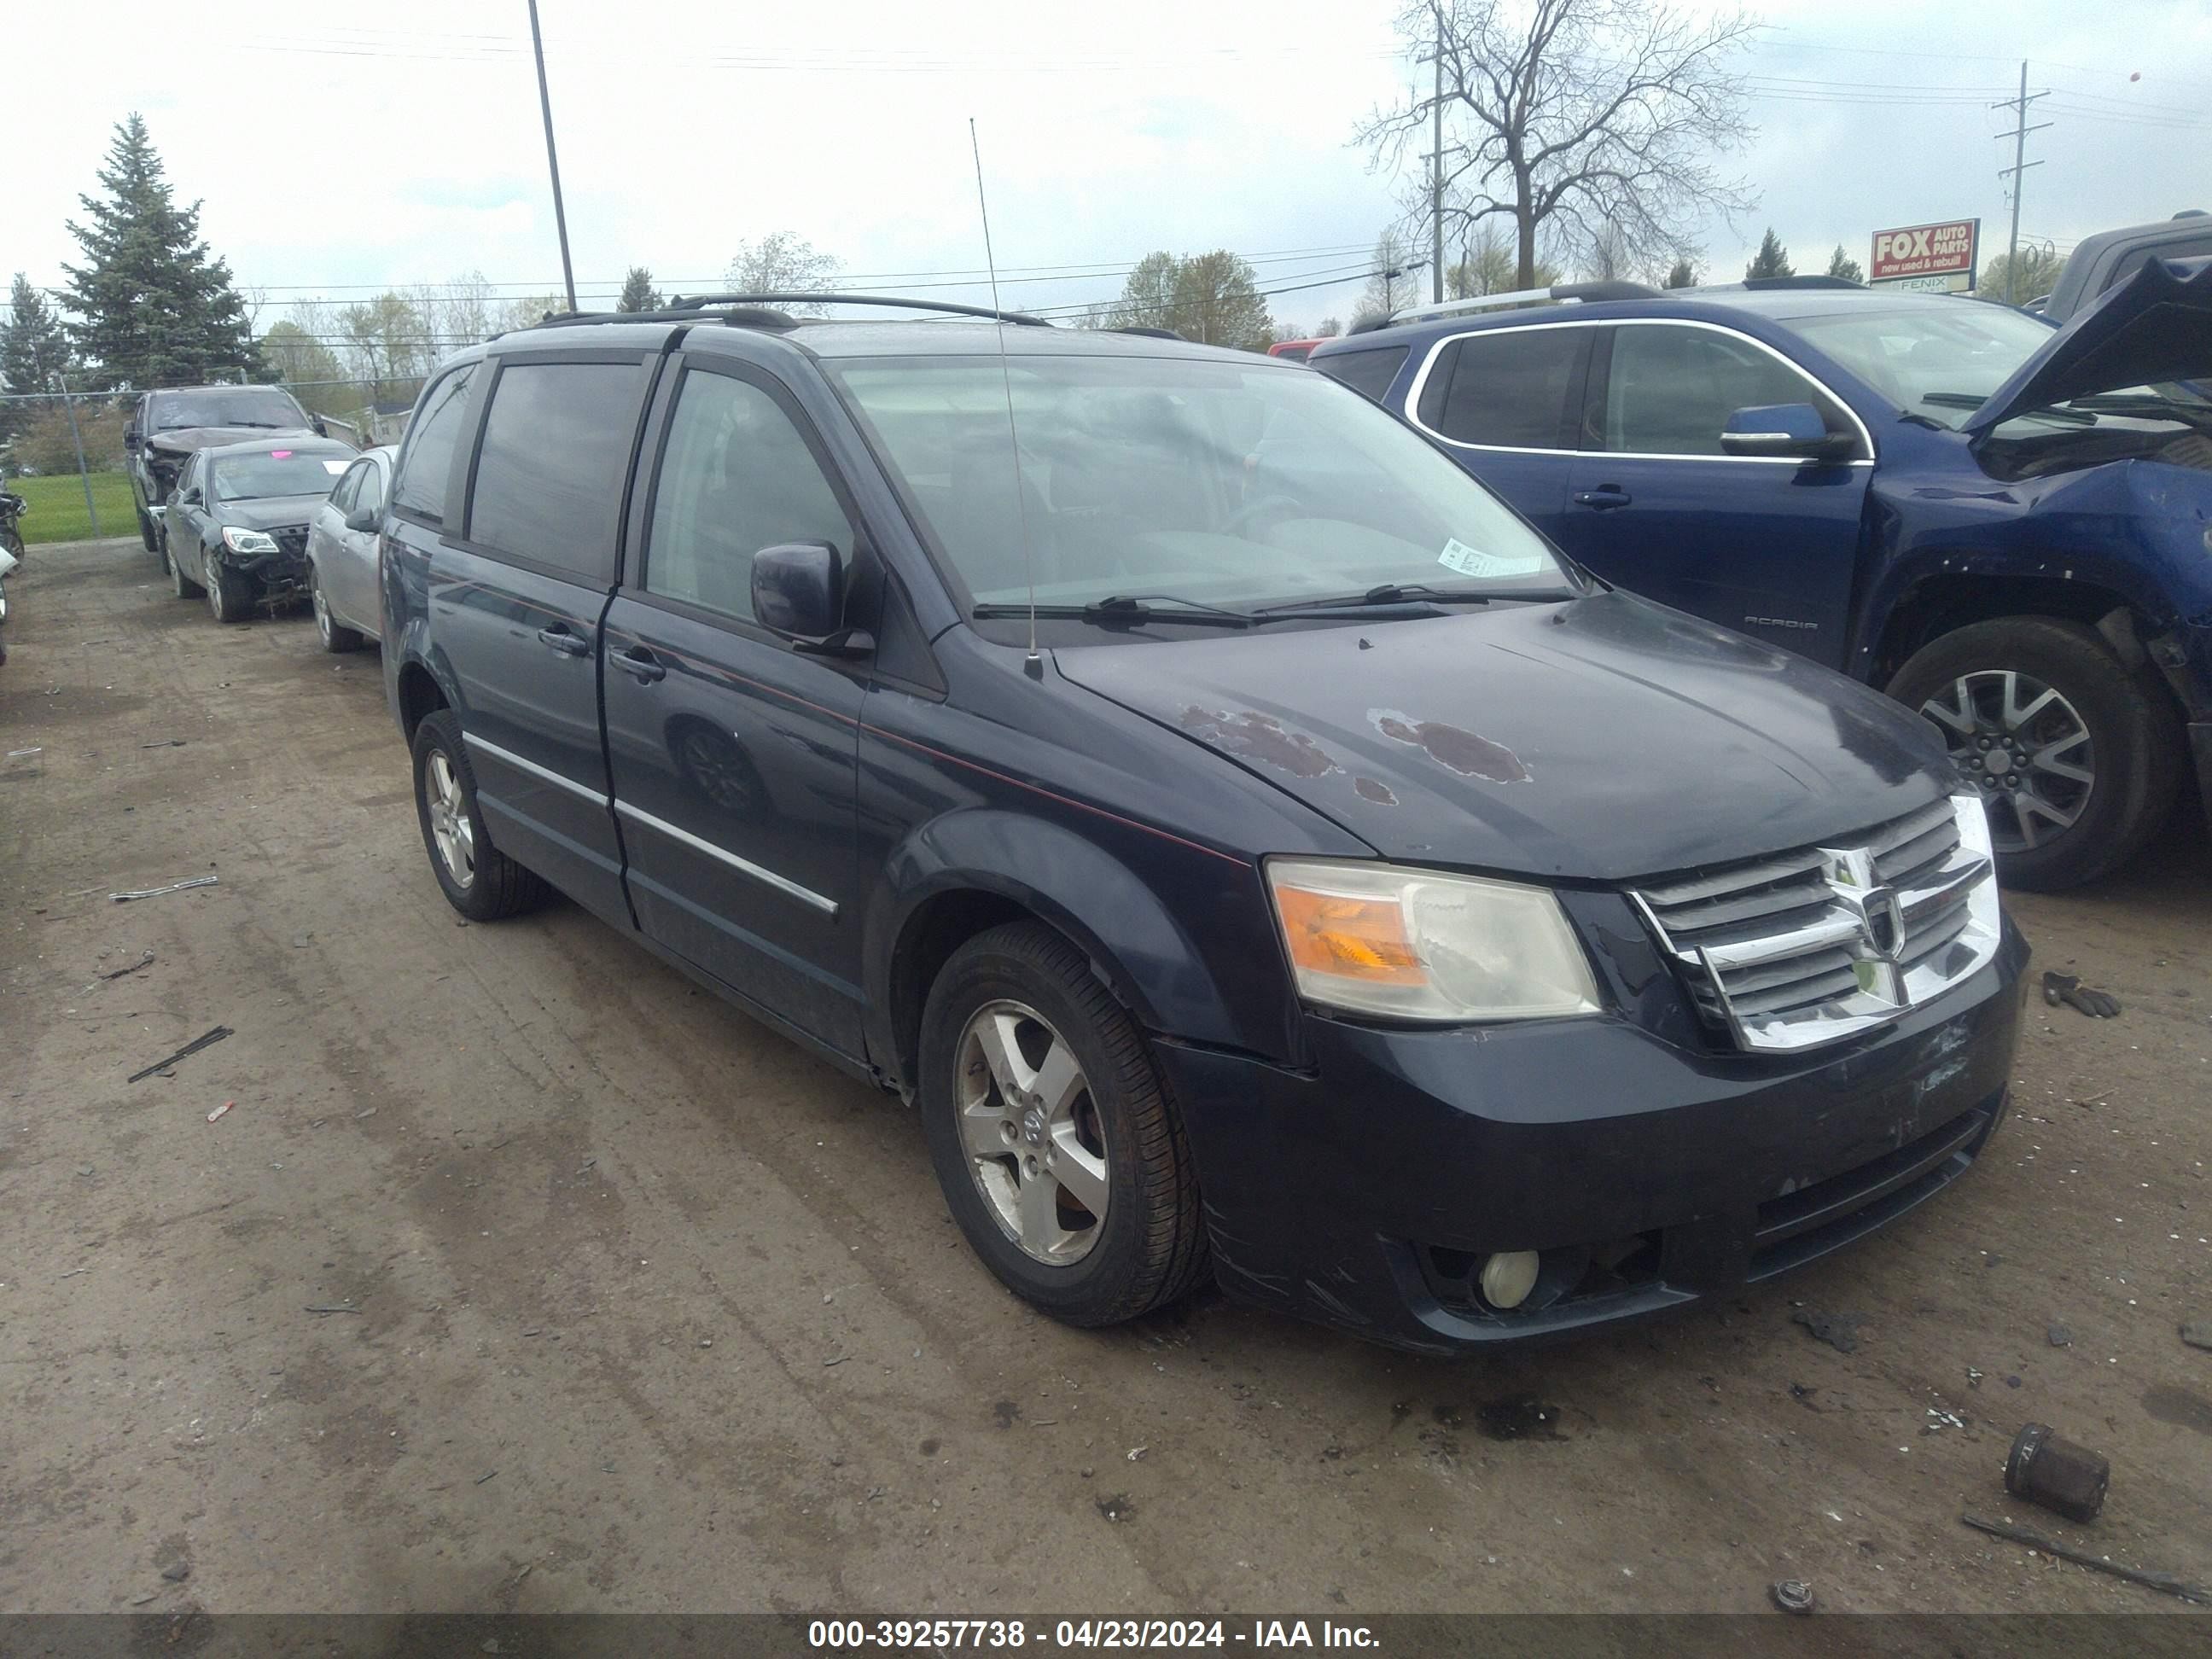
58	512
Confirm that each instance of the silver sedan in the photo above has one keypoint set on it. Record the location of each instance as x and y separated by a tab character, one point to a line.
341	550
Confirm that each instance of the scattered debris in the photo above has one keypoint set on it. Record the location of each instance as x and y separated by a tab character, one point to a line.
2169	1582
141	1601
1840	1331
839	1360
483	1478
1791	1594
2012	1382
1946	1420
118	973
220	1109
177	1572
1518	1417
19	754
1973	1377
73	1271
2060	1336
191	1047
1802	1394
2068	988
2198	1333
1116	1508
174	887
2056	1474
332	1307
166	743
1137	1453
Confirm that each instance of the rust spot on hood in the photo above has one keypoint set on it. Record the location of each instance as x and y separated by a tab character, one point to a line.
1375	790
1468	753
1260	738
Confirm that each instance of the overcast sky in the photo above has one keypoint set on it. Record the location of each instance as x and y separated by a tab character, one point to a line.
403	144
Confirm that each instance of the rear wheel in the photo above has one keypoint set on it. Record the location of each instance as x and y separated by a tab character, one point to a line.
147	533
2076	759
478	880
186	586
1061	1155
334	634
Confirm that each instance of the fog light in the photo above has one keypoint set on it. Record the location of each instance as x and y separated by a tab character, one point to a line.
1508	1276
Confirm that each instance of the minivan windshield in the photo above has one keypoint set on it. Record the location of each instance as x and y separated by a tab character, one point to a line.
1217	483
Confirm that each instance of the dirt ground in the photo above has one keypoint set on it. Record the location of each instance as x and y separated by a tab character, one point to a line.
642	1309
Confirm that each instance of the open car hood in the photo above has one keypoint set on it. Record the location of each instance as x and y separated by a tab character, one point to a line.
189	439
2156	327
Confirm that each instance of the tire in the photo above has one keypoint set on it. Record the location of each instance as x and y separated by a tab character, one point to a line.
146	531
186	586
1036	991
335	635
2095	750
229	598
482	882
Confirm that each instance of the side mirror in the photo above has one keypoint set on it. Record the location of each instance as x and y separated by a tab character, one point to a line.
130	440
361	518
320	430
190	498
1792	431
798	592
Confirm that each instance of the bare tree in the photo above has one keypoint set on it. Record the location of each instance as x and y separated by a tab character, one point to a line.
781	263
1569	117
1391	284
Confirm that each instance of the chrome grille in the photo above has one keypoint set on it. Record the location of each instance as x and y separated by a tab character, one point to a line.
1823	943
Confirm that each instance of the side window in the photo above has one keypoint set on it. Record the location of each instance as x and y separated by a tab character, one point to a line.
368	491
1367	372
189	479
557	447
431	436
1670	390
1514	388
342	498
736	478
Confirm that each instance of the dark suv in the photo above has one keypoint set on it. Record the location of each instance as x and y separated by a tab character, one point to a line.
1299	877
168	427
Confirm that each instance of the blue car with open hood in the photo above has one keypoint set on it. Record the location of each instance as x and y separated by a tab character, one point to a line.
1256	853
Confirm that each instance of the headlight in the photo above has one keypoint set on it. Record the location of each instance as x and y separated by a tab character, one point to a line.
247	541
1379	939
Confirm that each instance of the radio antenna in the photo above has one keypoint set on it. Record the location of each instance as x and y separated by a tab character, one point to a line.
1032	665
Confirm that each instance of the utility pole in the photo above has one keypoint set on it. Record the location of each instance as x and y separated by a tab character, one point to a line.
68	408
2018	171
1437	165
552	160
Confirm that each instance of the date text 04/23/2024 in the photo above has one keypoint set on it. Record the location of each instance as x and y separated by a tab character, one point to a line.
1086	1633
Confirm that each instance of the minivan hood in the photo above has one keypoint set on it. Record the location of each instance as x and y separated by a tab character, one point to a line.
1598	739
2156	327
270	512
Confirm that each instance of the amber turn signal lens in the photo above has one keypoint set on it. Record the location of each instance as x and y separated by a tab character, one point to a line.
1358	938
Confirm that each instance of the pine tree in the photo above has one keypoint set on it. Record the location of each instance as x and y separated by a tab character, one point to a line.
1683	274
1841	264
638	292
1771	260
151	306
33	350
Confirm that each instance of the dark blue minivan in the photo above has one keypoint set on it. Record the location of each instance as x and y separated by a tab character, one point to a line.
2003	524
1293	876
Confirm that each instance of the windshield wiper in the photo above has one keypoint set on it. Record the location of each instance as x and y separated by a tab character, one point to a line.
1128	607
1398	595
1967	400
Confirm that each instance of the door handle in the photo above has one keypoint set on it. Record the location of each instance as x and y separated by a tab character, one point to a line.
1604	498
568	644
641	665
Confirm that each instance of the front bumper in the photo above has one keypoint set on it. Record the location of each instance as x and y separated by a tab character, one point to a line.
1366	1192
279	575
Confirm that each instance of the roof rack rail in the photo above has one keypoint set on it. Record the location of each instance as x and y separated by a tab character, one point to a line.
738	317
1810	281
1557	293
1147	330
694	302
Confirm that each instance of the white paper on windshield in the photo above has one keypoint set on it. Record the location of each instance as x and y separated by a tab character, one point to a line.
1472	561
336	467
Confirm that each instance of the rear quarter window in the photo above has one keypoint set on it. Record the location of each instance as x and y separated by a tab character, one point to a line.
1512	388
549	476
1367	372
428	457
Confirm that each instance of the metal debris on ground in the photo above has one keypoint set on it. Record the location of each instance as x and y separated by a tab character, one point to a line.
1791	1594
2171	1583
191	1047
1946	1420
166	743
1137	1453
174	887
2057	1474
1840	1331
118	973
2068	988
220	1109
483	1478
332	1307
19	754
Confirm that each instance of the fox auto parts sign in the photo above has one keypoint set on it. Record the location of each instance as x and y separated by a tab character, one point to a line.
1938	257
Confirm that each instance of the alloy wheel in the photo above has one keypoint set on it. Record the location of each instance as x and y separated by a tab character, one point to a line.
450	826
322	612
1035	1145
2023	748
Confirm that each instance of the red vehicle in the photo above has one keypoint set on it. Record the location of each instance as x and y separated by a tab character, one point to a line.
1297	350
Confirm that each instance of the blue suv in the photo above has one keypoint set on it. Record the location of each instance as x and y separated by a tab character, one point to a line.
2002	523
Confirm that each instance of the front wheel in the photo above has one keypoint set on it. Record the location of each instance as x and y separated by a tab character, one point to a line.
186	587
229	596
478	880
147	533
1059	1154
2076	759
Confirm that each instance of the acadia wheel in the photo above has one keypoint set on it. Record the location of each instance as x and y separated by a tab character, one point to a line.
2076	759
335	635
478	880
229	597
186	586
146	531
1061	1155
